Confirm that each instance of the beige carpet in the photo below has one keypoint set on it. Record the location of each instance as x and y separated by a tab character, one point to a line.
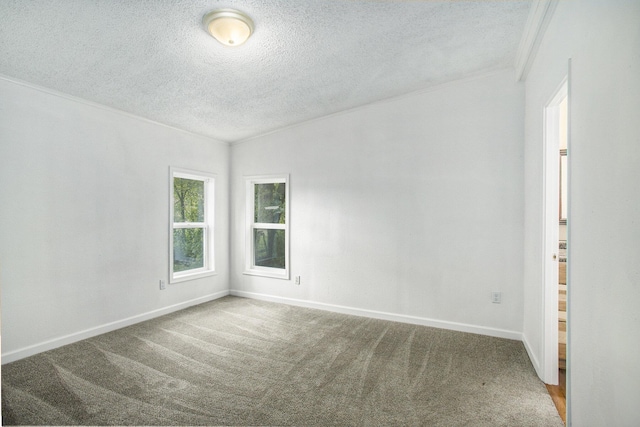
236	361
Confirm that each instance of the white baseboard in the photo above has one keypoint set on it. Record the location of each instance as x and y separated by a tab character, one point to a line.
12	356
441	324
532	357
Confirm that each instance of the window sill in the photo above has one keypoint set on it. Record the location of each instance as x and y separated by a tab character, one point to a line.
192	276
266	273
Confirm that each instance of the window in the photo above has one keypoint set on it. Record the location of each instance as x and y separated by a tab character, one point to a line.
191	218
267	226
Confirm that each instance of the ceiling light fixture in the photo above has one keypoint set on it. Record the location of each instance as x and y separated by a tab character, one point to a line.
230	27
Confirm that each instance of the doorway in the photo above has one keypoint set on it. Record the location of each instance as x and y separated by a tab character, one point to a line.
556	243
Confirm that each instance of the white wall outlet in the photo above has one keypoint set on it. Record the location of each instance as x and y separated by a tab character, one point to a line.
163	284
297	280
496	297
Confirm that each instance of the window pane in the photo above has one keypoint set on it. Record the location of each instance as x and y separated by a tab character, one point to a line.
188	196
269	203
188	249
268	248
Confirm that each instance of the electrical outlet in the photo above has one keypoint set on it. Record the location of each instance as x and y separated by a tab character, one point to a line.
163	285
496	297
297	280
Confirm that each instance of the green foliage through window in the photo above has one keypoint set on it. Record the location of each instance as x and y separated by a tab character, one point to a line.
188	249
269	246
267	216
188	200
269	203
188	207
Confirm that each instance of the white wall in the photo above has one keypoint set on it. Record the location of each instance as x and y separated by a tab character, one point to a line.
413	206
84	218
603	41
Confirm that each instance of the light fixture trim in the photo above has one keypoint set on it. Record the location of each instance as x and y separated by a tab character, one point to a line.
209	21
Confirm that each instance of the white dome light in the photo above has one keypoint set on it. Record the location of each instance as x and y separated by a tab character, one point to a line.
230	27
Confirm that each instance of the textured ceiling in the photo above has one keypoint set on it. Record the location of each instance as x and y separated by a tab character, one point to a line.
306	59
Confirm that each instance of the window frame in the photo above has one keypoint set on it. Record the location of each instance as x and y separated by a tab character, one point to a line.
208	225
250	267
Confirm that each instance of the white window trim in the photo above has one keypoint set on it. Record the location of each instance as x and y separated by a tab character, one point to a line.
209	231
250	267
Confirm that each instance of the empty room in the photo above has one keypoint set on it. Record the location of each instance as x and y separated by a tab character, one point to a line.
323	212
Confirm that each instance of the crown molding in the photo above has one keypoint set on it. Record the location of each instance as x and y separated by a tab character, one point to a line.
537	23
417	92
104	107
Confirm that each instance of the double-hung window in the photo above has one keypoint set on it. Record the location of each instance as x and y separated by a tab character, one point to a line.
267	226
191	234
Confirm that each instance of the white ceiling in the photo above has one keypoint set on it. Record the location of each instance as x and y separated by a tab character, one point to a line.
306	59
